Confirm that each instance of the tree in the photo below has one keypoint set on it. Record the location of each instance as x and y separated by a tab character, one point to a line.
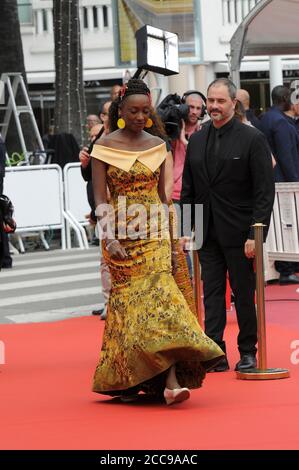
70	110
12	60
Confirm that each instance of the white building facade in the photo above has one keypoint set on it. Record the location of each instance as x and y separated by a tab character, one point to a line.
216	20
100	73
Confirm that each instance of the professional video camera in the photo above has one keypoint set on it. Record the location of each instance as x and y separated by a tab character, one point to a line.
172	110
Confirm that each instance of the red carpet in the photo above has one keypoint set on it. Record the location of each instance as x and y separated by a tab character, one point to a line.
46	402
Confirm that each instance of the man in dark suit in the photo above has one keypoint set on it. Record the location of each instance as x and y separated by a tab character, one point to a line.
228	170
280	129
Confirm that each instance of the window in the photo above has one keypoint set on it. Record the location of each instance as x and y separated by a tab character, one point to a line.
25	11
45	22
105	16
95	17
85	19
237	20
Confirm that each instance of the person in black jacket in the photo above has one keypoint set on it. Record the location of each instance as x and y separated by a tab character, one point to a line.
280	130
228	170
95	133
5	258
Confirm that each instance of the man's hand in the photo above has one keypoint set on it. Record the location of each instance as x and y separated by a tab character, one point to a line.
249	248
183	132
90	219
84	157
10	228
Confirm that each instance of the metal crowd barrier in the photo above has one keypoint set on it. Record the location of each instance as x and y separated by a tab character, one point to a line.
75	200
37	193
283	237
44	199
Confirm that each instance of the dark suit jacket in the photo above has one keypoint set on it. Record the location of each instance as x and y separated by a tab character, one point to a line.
242	191
284	142
253	119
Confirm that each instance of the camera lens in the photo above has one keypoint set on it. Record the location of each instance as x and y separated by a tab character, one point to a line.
184	111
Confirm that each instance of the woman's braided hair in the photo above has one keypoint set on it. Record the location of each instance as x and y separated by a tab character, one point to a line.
135	86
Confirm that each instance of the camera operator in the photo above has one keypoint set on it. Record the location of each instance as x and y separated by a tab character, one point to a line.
192	123
192	110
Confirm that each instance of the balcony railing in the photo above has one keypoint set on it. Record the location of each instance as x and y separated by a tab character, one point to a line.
234	11
92	18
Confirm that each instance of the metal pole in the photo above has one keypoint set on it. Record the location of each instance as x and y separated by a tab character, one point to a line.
261	373
260	296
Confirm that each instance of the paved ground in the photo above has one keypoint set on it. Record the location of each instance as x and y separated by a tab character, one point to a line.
50	285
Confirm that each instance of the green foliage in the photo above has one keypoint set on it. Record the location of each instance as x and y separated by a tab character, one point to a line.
15	158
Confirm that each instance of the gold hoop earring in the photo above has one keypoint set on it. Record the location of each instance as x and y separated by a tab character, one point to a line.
149	123
121	123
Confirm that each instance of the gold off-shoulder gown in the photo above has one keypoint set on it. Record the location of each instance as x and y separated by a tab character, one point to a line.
149	326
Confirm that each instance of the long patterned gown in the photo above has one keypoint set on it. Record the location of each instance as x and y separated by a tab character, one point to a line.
149	326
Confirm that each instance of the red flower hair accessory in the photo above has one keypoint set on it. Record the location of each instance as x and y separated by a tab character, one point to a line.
122	92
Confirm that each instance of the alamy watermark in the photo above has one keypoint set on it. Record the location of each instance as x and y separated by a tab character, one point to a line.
126	221
295	353
295	92
2	352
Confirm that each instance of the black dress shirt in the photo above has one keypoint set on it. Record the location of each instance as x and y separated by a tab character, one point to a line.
219	141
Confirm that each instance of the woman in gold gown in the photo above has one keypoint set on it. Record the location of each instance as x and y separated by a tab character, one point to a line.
152	341
181	275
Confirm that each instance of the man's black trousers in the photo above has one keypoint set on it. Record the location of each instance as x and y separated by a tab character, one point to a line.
216	261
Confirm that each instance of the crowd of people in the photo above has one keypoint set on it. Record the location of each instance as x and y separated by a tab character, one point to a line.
152	340
225	159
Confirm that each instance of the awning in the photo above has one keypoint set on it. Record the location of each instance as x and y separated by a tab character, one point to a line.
88	75
271	28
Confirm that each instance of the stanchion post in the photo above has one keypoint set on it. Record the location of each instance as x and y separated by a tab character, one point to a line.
260	297
261	373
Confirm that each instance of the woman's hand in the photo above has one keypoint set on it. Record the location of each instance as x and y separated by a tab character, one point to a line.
115	250
184	243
